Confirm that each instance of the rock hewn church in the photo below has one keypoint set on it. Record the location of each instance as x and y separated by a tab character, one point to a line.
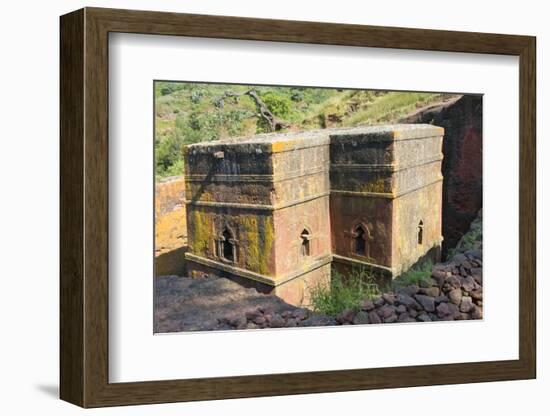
278	211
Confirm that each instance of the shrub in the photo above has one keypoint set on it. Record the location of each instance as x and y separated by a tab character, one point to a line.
278	104
168	153
167	88
297	94
415	275
344	292
196	96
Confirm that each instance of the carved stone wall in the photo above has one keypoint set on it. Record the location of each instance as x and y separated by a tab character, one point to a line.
275	211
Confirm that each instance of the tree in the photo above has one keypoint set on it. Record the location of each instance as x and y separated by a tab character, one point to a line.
273	122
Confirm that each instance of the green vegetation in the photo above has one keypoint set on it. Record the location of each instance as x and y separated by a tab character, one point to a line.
187	113
390	107
471	240
344	292
415	275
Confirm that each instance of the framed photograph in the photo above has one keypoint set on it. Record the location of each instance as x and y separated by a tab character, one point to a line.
255	207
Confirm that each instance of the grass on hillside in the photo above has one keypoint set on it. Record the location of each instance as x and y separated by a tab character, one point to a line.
391	107
192	112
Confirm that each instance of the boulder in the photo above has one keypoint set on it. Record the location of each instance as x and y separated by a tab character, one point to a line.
443	310
477	294
346	316
401	309
441	298
367	305
477	274
408	301
374	318
468	283
454	311
386	311
439	276
455	296
423	317
466	304
407	290
405	317
432	291
427	283
433	316
361	318
389	298
427	302
477	312
379	301
454	281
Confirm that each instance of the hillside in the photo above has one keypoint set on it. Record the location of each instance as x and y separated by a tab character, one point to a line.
189	112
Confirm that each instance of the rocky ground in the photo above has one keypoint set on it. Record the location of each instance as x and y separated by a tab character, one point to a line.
185	304
454	292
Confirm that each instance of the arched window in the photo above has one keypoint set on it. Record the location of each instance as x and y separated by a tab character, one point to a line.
226	248
359	240
305	249
420	231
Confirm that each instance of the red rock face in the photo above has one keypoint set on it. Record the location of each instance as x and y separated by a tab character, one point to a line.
462	162
465	194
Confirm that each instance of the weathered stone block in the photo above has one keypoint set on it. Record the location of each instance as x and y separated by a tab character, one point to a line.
278	209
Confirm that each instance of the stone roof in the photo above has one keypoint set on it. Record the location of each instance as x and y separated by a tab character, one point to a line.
384	132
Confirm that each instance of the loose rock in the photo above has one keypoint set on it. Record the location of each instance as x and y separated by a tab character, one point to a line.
427	302
443	310
468	283
367	305
466	304
477	312
386	311
345	317
432	291
455	296
423	317
390	319
361	318
374	318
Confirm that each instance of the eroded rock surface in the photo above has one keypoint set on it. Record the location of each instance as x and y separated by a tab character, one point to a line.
185	304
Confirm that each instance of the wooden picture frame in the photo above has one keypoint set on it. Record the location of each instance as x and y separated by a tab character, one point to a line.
84	207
